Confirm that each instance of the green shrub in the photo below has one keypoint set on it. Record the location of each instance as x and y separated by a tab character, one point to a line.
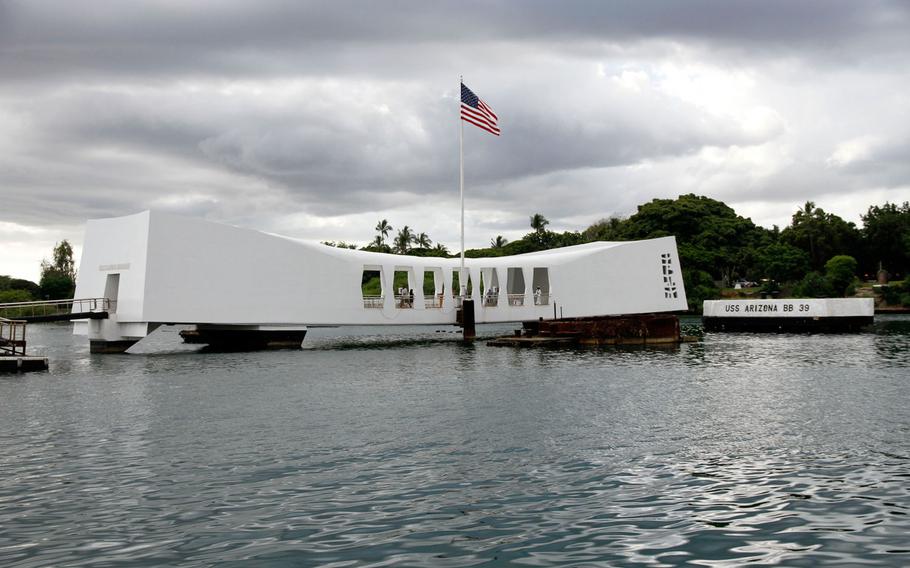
893	294
8	296
699	287
840	271
814	285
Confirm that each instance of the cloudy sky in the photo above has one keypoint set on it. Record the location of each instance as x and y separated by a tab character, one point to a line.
317	119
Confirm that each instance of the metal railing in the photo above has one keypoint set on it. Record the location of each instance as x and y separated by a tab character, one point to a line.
12	337
516	299
405	302
56	307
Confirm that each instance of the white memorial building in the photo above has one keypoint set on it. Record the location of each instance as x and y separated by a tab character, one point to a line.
162	269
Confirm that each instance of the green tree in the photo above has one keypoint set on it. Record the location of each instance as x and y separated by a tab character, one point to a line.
377	245
403	240
498	242
604	230
710	235
58	278
814	285
781	262
886	238
699	287
539	223
822	235
841	272
16	295
22	288
383	228
422	240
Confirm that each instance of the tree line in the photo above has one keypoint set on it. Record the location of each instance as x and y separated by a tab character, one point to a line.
818	255
58	279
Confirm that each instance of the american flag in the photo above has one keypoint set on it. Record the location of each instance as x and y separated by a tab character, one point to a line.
477	112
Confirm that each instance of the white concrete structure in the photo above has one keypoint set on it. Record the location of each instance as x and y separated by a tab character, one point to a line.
166	269
790	308
791	315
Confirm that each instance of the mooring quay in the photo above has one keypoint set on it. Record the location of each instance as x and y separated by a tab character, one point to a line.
13	356
797	315
644	329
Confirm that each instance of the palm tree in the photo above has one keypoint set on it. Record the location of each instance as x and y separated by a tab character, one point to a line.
422	241
403	240
539	222
441	249
383	228
498	242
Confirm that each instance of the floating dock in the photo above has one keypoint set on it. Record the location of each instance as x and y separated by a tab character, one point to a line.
643	329
13	356
824	315
22	364
253	338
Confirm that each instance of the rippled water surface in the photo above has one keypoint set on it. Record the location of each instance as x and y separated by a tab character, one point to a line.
403	447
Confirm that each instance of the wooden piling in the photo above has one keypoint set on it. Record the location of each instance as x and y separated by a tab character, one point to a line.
467	320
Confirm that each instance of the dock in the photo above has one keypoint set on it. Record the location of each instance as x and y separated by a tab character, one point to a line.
22	364
13	357
798	315
643	329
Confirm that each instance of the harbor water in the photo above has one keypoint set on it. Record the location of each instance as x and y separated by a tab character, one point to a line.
405	447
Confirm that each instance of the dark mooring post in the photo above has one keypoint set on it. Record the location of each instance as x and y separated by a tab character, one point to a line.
467	319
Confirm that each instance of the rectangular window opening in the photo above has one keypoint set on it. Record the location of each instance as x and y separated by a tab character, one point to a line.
371	287
515	286
541	286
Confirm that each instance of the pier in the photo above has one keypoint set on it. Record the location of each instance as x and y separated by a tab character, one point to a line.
643	329
15	316
57	310
13	356
799	315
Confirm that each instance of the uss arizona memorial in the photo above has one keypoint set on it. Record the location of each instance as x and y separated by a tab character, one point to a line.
158	268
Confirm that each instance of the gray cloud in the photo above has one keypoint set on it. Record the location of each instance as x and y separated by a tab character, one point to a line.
341	111
216	38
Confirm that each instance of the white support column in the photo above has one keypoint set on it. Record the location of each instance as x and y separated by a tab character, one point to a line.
502	278
476	293
419	298
388	287
447	288
528	275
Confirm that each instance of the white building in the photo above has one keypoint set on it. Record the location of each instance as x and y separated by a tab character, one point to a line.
160	268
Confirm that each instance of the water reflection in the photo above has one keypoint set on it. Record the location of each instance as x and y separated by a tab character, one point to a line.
406	447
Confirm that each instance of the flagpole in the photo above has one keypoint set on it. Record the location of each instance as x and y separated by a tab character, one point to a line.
462	283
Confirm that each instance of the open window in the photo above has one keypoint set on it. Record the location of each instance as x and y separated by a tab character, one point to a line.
404	284
541	286
371	287
515	286
489	286
457	292
432	287
456	284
